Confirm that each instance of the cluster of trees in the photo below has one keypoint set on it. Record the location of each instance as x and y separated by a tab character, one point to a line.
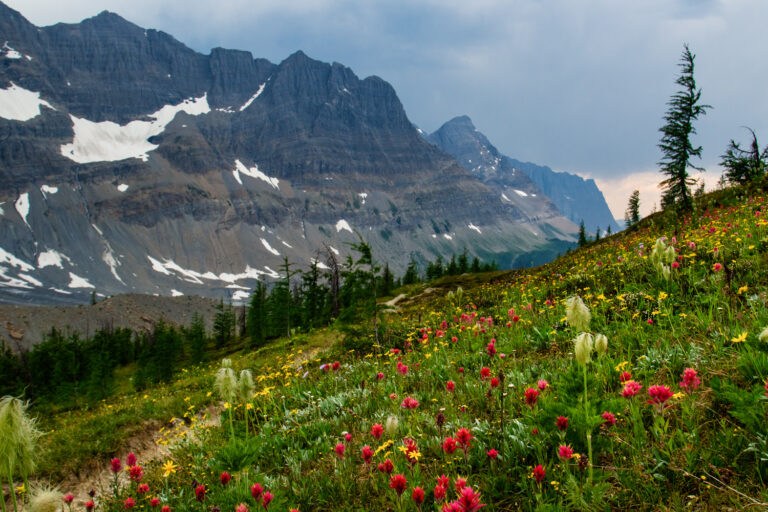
65	368
584	237
742	166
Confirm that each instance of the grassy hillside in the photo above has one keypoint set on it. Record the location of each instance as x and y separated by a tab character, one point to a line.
476	396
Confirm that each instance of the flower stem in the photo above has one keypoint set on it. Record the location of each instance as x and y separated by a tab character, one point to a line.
11	489
589	429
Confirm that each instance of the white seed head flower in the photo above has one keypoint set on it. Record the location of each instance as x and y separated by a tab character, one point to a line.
18	436
226	384
764	335
577	313
601	344
583	348
226	363
45	499
665	271
392	425
245	386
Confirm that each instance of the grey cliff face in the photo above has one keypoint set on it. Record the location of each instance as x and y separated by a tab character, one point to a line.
131	163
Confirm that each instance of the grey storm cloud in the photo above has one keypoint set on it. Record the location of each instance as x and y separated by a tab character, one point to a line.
579	85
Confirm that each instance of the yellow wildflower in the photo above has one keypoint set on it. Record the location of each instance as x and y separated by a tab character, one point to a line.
740	338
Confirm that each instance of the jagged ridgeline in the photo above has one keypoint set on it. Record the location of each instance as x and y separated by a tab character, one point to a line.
131	163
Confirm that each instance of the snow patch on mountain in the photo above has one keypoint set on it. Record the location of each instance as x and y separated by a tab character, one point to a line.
176	293
110	142
342	224
75	281
6	257
12	282
252	98
10	53
521	193
31	280
19	104
255	173
269	247
123	187
170	267
51	258
472	226
22	206
46	189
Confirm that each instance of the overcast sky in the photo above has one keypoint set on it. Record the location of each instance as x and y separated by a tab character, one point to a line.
579	85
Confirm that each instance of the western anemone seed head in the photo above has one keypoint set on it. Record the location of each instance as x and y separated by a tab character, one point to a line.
45	499
392	424
226	363
665	271
245	386
577	313
601	344
18	436
764	335
226	383
583	348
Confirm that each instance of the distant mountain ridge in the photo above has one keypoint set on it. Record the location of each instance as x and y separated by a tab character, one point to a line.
528	185
133	164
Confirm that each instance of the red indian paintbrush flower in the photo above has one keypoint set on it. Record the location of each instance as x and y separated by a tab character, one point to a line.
225	478
386	467
470	500
625	376
443	481
200	492
241	508
691	379
130	459
89	505
450	385
485	373
266	498
539	473
439	493
154	502
367	454
564	451
659	394
449	445
561	422
136	473
631	388
142	489
460	484
464	436
491	349
542	384
492	454
609	418
409	403
256	491
377	430
339	449
129	503
531	397
418	496
494	382
166	508
398	483
116	465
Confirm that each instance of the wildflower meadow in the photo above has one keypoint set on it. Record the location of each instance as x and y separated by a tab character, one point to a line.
628	374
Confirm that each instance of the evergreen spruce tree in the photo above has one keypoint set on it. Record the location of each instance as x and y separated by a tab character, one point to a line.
632	215
475	267
582	234
675	144
195	339
223	324
411	273
608	231
463	262
258	311
597	234
743	166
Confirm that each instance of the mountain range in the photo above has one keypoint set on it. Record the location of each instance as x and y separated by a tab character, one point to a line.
130	163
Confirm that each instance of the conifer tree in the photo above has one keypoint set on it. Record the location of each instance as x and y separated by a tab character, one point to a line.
313	297
582	234
463	262
632	215
675	144
743	166
256	321
195	339
411	275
